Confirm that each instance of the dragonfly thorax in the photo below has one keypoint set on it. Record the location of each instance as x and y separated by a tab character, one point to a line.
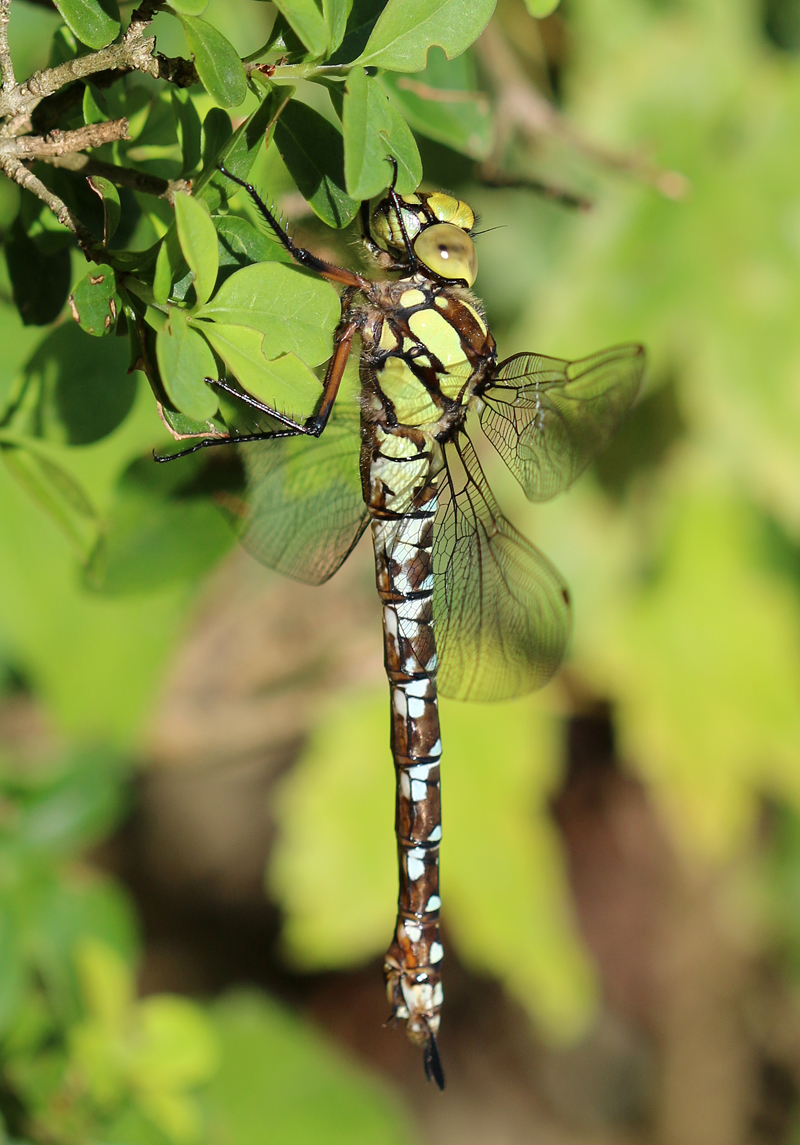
427	349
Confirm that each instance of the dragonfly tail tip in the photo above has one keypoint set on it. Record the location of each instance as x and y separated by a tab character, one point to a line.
433	1062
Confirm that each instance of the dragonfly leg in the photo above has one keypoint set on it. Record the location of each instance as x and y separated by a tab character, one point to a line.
300	254
311	427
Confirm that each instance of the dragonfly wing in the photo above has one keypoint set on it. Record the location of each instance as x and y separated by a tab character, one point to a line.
549	419
304	511
501	610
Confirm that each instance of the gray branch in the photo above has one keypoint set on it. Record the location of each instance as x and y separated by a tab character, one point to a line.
17	171
121	176
61	142
6	63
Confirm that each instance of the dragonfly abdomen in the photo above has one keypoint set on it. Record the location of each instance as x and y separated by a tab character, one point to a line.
403	540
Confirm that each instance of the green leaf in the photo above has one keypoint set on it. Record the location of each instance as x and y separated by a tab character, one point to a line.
55	491
94	22
406	30
184	359
285	384
217	62
443	103
239	153
362	19
108	193
706	671
148	542
168	265
80	804
97	663
85	388
312	149
187	124
18	342
189	7
266	1054
373	130
95	302
95	105
198	240
307	22
39	281
541	8
336	13
240	245
178	1049
216	132
294	310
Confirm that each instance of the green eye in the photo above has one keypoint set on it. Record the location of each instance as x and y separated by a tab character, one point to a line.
447	251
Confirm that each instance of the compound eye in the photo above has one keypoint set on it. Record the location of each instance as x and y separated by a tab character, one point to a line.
447	251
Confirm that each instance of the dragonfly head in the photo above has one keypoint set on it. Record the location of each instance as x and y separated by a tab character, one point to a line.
438	227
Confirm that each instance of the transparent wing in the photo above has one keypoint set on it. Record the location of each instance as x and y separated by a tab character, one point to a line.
304	510
501	611
549	419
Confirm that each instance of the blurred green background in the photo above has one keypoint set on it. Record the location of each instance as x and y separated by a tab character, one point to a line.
197	870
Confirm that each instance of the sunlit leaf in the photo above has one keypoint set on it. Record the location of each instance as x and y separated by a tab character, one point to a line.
94	22
217	62
406	30
95	106
706	671
95	302
169	263
541	8
189	7
184	359
307	22
336	13
198	240
285	384
275	1070
295	311
374	130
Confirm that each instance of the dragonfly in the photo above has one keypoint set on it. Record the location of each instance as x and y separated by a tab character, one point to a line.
471	609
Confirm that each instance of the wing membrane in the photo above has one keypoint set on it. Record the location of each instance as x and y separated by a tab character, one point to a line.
501	611
304	510
548	419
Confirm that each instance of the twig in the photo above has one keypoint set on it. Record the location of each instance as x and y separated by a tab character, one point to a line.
134	51
521	106
62	142
6	63
121	176
17	171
